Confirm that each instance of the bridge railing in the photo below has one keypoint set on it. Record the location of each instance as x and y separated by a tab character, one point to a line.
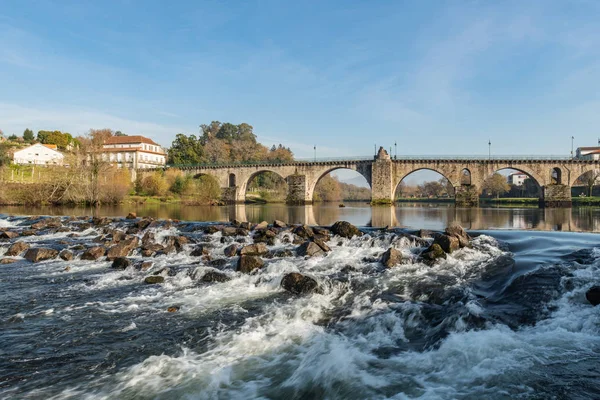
368	158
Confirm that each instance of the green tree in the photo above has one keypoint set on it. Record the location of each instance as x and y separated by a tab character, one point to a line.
328	189
496	185
186	150
590	179
119	133
228	132
60	139
28	135
12	137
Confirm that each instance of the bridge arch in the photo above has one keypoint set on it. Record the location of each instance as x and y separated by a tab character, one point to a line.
450	191
312	181
534	180
465	177
244	181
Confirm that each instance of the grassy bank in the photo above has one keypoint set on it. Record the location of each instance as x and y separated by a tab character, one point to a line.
586	201
510	200
425	200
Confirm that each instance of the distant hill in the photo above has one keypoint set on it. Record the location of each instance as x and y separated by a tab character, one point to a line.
357	181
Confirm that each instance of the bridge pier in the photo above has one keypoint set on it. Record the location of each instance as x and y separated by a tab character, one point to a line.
297	190
230	195
382	187
556	196
466	196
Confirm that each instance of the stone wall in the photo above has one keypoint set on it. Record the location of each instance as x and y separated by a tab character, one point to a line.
466	196
556	196
297	190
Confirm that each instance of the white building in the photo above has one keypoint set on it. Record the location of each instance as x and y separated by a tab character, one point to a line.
39	154
133	152
517	178
588	153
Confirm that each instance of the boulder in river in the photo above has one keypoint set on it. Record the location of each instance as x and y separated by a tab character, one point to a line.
123	248
309	249
457	231
262	225
433	253
345	229
321	243
153	279
298	284
131	215
214	276
200	250
447	243
93	253
265	236
304	231
230	250
8	235
17	248
121	263
593	295
8	260
173	309
391	257
40	254
279	224
66	255
247	264
257	249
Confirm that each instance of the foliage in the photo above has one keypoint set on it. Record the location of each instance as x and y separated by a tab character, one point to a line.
28	135
222	143
186	150
60	139
327	189
155	184
12	137
496	185
203	190
590	179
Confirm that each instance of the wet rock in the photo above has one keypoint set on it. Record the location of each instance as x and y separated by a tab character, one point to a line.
134	230
247	264
151	248
93	253
143	223
173	309
230	250
283	253
17	248
424	234
322	233
593	295
146	265
123	249
40	254
262	225
265	236
121	263
28	232
131	215
67	268
257	249
214	276
345	229
100	221
279	224
447	243
148	238
8	235
154	279
391	257
241	232
229	231
218	263
297	240
433	253
66	255
200	250
298	284
321	244
457	231
309	249
8	260
209	230
303	231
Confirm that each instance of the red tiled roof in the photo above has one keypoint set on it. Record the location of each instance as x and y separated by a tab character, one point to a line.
129	140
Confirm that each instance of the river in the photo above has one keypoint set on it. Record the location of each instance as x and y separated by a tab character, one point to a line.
505	318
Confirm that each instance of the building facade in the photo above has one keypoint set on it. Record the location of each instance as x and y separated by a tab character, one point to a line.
588	153
39	154
133	152
517	178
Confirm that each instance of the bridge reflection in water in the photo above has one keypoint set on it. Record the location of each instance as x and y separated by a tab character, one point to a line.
418	216
406	215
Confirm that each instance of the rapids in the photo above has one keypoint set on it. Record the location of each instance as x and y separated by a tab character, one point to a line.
506	318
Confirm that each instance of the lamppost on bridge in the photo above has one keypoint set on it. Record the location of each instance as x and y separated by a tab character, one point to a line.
395	150
490	149
572	138
315	148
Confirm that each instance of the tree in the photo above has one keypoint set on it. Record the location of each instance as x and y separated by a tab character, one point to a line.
60	139
328	189
496	185
28	135
12	137
186	150
590	179
119	133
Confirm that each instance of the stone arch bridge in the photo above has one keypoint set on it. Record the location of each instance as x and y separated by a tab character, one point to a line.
554	175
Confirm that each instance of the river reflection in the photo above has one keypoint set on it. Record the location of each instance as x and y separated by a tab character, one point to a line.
407	215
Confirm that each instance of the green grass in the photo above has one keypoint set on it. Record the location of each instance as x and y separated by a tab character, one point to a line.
510	200
425	200
586	201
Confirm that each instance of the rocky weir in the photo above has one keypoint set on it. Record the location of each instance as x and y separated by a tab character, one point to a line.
143	308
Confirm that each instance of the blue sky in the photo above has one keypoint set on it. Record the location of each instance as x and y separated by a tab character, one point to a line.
438	77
